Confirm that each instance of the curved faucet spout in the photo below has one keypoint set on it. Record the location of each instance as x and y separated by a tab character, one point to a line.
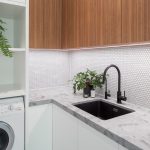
119	75
119	96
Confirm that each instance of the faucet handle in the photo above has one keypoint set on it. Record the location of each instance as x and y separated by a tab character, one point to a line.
108	93
124	97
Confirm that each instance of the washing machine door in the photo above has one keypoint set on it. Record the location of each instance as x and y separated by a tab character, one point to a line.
6	136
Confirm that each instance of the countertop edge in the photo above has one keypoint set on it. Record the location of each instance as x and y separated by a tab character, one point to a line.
38	103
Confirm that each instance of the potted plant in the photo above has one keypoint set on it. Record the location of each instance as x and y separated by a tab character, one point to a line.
4	44
87	81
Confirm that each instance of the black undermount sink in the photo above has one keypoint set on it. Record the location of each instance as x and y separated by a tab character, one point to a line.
103	110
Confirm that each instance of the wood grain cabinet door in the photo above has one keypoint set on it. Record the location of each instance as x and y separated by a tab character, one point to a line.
56	24
108	22
70	23
52	23
36	30
87	23
45	24
135	21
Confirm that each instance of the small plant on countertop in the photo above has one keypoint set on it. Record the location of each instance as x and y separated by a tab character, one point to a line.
4	44
91	77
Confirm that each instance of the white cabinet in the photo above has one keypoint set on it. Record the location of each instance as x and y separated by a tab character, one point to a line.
122	148
69	133
65	132
90	139
12	76
40	127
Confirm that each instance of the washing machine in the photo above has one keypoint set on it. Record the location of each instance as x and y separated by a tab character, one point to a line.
12	124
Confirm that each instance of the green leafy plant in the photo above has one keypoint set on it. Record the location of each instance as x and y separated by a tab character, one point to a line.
92	77
4	44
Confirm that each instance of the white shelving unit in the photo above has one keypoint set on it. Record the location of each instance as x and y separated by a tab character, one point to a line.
18	49
14	2
13	70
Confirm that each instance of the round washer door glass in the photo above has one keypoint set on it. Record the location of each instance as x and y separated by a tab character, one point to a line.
6	136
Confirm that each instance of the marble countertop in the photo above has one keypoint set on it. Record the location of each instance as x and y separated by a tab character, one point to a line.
131	130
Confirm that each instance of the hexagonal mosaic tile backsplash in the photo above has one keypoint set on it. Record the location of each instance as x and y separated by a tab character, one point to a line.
48	69
53	68
134	64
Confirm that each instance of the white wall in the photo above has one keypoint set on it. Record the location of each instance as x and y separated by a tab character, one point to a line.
7	72
56	68
48	69
134	64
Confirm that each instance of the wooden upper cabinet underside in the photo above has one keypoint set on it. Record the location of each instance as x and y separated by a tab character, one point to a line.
91	22
52	23
70	24
108	22
87	23
135	21
45	23
36	19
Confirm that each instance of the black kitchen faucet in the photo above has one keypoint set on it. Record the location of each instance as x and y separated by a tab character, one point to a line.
119	96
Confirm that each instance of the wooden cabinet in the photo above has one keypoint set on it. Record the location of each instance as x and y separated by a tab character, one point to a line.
45	23
135	21
70	24
64	130
89	23
108	22
56	24
52	23
36	19
78	23
40	127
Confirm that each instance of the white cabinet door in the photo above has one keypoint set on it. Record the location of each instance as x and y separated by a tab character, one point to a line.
122	148
90	139
64	130
40	127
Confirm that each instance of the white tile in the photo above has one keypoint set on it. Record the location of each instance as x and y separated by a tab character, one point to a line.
134	64
56	68
48	68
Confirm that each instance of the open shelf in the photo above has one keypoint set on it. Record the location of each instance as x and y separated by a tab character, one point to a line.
12	73
17	49
12	76
14	17
11	90
21	3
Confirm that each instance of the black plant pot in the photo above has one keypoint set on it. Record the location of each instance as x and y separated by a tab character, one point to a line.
87	91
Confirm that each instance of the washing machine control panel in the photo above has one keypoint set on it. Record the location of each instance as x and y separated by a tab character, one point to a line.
10	108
